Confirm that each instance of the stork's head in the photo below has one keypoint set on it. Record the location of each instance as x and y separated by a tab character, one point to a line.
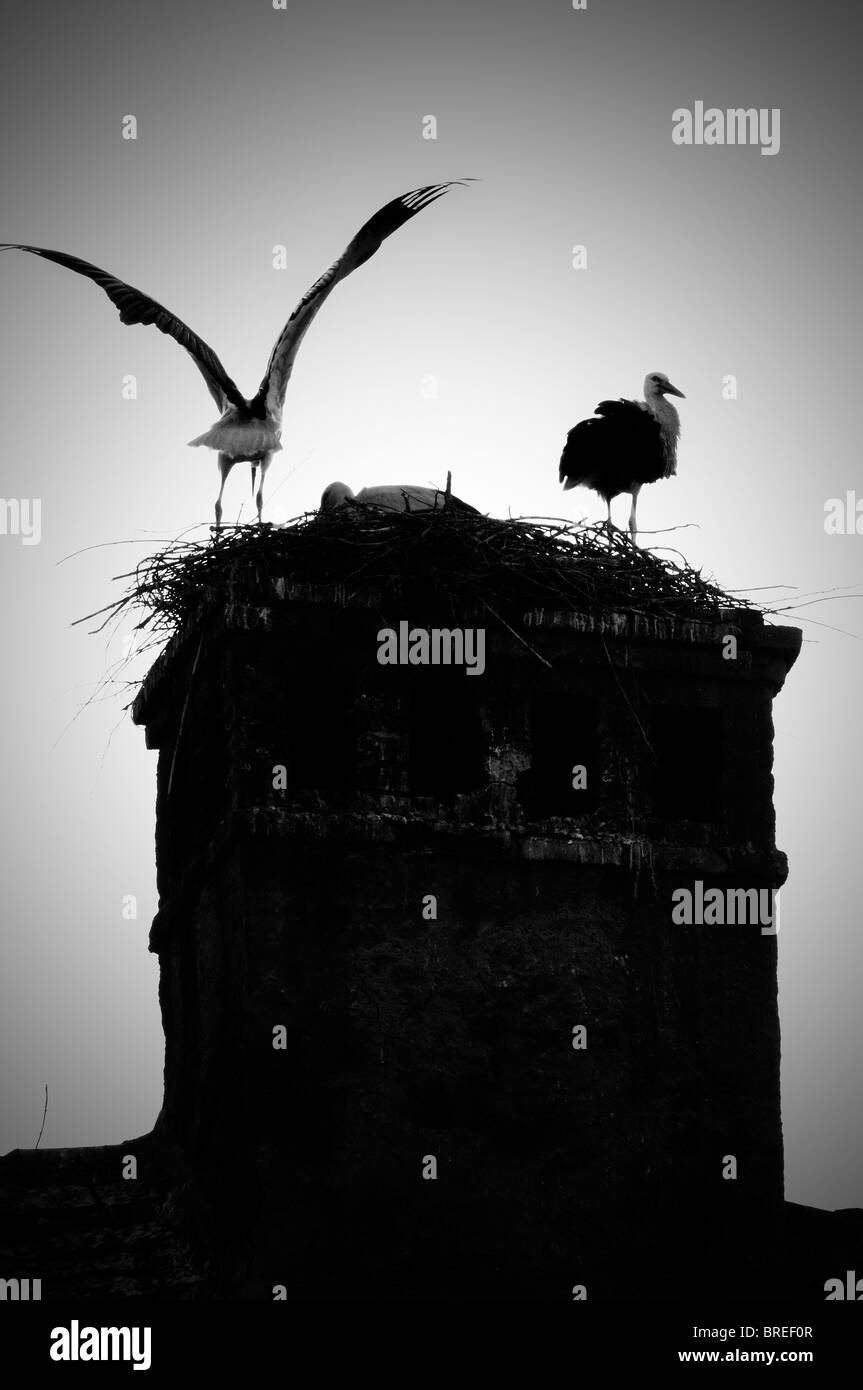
335	495
657	384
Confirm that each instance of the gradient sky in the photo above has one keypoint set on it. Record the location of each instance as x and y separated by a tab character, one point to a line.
258	128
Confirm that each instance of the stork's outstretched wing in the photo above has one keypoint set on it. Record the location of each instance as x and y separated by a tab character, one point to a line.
136	307
271	391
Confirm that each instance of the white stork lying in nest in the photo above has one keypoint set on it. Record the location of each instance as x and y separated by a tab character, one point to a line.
395	497
624	445
250	430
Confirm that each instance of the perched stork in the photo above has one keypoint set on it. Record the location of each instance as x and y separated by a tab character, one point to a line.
624	445
395	497
250	430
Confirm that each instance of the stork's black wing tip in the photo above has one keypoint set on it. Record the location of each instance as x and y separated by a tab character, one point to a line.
419	198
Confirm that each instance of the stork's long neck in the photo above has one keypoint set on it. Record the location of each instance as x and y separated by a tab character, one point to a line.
669	423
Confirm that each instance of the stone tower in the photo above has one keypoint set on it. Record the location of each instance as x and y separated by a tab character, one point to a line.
441	1018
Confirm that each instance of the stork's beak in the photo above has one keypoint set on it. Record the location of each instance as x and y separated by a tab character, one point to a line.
670	390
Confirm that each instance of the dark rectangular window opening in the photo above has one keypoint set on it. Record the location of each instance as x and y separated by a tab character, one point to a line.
564	732
445	745
322	751
686	776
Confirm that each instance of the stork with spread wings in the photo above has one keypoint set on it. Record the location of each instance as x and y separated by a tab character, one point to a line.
250	430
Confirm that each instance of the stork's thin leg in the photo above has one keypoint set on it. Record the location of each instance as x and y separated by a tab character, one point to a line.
225	466
608	524
266	460
632	529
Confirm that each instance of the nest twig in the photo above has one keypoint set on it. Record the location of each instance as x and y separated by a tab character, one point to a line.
464	557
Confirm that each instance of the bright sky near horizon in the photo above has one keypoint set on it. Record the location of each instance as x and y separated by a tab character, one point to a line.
258	128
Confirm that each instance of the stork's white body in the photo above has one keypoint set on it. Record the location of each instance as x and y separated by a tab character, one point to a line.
666	416
244	441
240	440
391	497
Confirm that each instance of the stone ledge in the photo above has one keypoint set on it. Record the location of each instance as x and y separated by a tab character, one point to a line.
221	613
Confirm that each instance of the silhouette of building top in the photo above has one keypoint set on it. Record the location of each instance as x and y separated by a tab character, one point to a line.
677	738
